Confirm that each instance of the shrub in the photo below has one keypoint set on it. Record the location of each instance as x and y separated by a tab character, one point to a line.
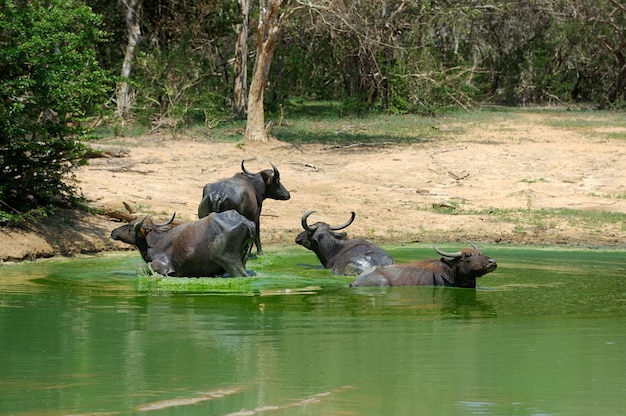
50	80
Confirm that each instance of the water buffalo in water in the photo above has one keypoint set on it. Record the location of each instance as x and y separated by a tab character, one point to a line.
336	251
211	246
245	193
458	269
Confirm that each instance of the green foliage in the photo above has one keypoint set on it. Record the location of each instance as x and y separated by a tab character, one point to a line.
180	75
175	91
50	80
393	56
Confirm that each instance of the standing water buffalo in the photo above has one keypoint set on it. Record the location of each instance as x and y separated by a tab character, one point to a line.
458	269
244	193
218	243
336	251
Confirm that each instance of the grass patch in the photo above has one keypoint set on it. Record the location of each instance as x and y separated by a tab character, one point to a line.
602	124
328	122
378	128
547	217
529	181
224	131
129	130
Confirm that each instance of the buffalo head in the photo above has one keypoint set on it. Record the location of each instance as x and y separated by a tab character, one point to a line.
135	231
271	178
469	262
343	255
315	235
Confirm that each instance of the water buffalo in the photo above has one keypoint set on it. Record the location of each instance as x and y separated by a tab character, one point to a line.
458	269
245	193
336	251
211	246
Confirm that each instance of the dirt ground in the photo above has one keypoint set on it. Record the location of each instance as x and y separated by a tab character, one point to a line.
474	185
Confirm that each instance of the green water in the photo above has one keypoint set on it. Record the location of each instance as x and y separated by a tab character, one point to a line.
545	334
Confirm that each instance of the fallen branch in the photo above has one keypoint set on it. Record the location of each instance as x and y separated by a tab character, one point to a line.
123	169
306	165
128	216
121	216
304	402
347	146
103	151
452	149
460	176
444	204
596	203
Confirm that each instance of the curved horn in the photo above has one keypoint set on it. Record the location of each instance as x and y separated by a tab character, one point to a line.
445	254
345	224
138	225
166	223
244	170
306	226
474	246
276	173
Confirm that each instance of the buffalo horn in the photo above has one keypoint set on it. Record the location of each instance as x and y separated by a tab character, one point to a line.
138	225
276	174
166	223
345	224
445	254
306	226
474	246
244	170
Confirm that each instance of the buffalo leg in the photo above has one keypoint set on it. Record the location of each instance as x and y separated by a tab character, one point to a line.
235	270
162	267
257	238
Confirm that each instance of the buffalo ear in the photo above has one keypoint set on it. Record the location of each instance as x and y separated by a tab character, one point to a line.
138	227
314	236
339	236
452	262
446	261
268	177
144	230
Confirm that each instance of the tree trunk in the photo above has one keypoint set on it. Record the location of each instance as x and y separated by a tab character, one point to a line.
619	92
240	103
132	10
268	31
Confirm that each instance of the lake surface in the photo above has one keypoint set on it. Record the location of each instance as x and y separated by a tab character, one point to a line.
545	334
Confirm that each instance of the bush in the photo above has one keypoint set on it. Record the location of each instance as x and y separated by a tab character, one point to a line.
50	80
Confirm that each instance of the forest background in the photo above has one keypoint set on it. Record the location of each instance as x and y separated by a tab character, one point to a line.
69	66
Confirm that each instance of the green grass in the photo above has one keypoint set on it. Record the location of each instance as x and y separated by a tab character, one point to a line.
325	122
130	130
547	216
374	129
328	122
598	124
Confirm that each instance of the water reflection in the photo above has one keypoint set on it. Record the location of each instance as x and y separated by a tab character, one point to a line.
423	302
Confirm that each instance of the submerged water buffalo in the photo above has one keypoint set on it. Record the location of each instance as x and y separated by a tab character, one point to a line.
336	251
458	269
217	244
245	193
